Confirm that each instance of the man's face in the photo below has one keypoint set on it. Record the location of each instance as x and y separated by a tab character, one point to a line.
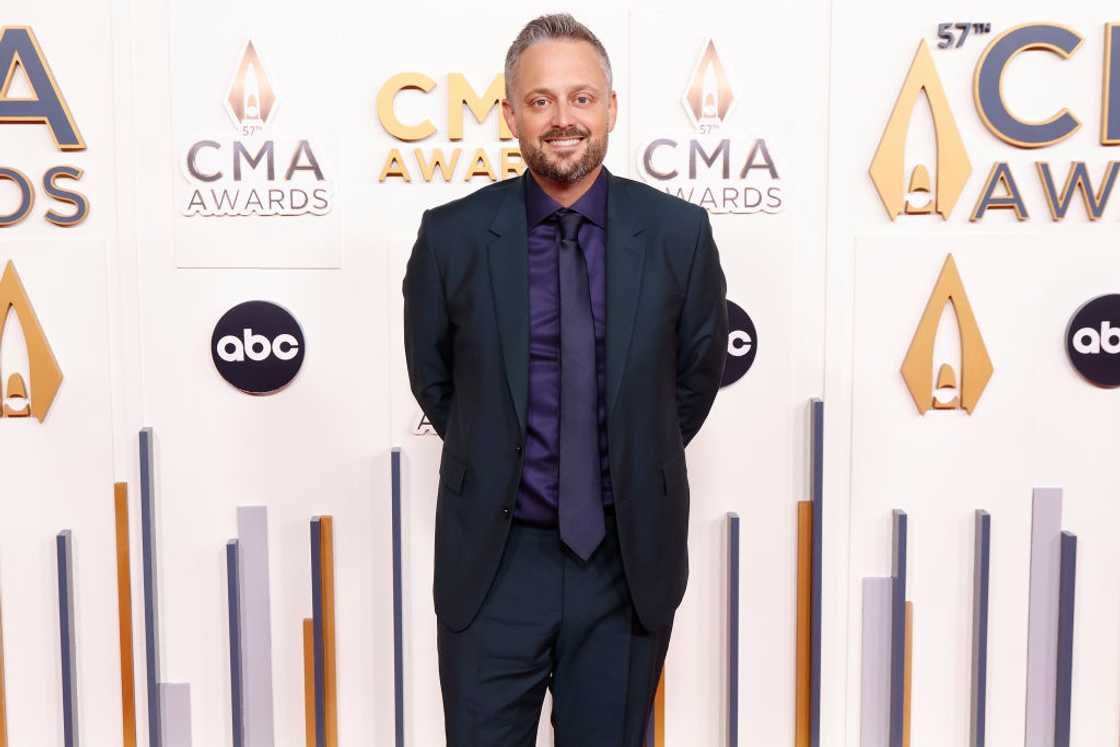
561	109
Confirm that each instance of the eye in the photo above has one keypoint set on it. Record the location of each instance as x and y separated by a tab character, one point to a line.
540	102
583	98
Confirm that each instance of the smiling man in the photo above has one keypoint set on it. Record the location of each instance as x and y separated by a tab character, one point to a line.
565	334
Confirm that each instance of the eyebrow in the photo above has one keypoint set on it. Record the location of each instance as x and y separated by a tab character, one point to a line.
549	92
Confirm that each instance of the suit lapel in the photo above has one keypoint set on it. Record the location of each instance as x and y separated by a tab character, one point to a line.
509	282
625	260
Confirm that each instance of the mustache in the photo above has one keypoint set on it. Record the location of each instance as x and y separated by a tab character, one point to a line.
570	132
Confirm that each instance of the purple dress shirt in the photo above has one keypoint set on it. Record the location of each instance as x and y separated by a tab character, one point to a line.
537	494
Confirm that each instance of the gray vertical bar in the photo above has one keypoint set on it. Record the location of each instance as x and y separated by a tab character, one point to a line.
817	496
1042	630
256	625
981	577
398	601
67	642
875	706
1064	685
175	701
898	625
234	593
732	630
317	627
151	618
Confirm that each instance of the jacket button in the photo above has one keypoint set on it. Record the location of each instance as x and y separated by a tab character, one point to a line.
506	510
517	449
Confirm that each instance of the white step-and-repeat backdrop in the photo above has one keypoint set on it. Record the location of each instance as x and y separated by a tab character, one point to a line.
163	163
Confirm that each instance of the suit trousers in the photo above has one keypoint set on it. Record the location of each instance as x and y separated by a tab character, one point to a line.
552	621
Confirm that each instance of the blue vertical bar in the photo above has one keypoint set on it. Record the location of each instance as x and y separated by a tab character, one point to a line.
898	625
151	622
317	626
1064	691
233	587
817	496
981	577
67	642
398	601
732	630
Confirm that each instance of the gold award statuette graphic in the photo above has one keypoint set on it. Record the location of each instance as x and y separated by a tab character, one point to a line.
976	366
45	375
888	166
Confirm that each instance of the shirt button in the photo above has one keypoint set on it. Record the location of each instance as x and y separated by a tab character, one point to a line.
517	449
506	510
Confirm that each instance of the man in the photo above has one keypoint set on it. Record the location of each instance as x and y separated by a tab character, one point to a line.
565	334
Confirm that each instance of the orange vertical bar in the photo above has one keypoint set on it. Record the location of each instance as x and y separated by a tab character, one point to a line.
124	617
659	712
907	674
3	710
309	680
330	675
804	610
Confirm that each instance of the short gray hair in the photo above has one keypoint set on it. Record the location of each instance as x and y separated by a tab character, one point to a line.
550	27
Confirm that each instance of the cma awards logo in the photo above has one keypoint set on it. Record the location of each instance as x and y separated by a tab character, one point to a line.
947	391
254	173
915	191
720	171
30	94
403	111
17	399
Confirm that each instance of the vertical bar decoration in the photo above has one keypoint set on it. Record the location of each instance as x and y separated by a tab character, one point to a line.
322	590
175	704
398	601
151	622
815	610
256	626
67	641
3	706
233	592
908	676
732	630
980	586
317	630
1064	684
803	666
124	617
898	625
309	680
330	673
659	712
1042	630
875	707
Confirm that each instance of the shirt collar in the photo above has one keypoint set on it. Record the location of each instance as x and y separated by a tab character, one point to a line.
592	205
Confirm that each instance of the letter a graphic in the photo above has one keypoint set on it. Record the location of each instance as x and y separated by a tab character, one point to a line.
20	49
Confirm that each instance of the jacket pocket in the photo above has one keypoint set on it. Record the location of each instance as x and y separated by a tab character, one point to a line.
452	473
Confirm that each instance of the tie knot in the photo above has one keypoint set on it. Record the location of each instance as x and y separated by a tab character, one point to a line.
569	221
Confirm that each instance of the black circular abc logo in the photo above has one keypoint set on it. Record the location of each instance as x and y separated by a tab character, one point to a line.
1093	340
742	345
258	347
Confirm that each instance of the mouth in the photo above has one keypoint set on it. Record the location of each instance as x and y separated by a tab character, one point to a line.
564	143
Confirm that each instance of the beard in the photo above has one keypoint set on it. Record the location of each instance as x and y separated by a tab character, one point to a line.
565	169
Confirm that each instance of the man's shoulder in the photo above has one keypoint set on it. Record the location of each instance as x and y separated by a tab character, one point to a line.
667	207
476	209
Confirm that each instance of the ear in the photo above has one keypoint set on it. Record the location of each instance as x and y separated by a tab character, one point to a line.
612	111
511	119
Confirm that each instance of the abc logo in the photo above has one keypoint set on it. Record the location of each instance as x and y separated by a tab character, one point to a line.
1093	341
742	345
258	347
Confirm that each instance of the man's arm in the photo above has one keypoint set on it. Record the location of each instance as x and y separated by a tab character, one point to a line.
701	335
427	333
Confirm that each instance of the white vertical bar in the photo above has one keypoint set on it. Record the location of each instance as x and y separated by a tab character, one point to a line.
1042	616
256	625
175	703
875	707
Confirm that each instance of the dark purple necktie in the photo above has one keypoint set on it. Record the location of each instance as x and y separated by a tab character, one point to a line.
580	501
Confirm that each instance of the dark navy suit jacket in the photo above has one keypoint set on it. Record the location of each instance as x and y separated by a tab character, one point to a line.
466	336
